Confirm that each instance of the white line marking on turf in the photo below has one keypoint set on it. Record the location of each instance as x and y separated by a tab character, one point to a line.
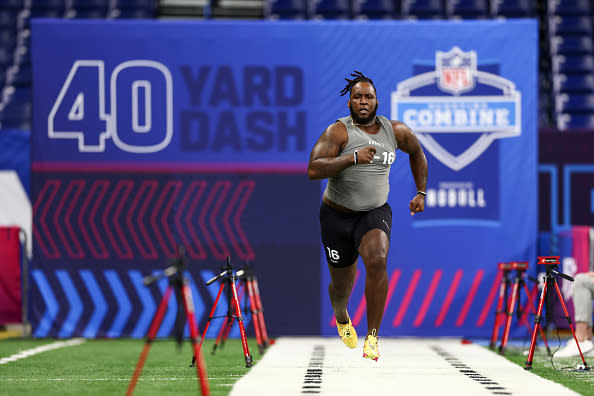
407	366
114	379
40	349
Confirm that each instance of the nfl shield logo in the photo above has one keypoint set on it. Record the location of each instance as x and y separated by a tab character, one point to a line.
436	117
456	70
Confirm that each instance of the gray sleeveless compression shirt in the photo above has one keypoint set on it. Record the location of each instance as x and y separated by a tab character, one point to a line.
364	187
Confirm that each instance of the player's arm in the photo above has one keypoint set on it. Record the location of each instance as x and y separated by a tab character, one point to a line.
324	161
408	142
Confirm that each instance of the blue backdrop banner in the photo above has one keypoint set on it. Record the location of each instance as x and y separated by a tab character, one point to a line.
149	134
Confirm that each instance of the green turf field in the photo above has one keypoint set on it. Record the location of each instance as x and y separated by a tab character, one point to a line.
104	367
562	371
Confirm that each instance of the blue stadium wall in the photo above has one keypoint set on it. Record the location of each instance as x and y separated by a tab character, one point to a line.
148	135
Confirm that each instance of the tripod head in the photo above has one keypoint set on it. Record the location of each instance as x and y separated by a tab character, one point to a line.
513	265
552	267
246	272
227	272
177	267
519	265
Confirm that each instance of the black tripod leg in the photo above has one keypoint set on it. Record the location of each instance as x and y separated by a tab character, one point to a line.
180	318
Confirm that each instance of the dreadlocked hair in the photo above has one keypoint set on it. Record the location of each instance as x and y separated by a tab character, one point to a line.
359	77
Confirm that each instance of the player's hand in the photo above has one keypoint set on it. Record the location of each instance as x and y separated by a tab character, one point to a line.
417	204
366	154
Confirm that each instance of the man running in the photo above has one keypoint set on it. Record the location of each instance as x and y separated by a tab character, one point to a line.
355	154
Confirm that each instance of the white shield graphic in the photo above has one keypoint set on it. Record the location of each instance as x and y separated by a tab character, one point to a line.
490	117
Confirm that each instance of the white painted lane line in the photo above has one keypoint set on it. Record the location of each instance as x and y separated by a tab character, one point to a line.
40	349
312	382
111	379
406	367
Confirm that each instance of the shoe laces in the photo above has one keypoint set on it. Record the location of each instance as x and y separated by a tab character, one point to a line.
372	339
346	331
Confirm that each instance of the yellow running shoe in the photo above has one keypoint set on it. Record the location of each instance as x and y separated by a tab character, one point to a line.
370	350
347	333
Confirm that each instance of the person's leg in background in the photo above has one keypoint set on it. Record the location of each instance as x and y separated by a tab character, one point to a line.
583	296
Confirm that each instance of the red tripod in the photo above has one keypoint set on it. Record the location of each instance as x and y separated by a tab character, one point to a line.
228	278
550	281
184	296
505	269
253	303
520	267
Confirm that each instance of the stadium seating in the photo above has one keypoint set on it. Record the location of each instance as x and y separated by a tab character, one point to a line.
573	83
513	8
567	50
132	9
570	25
570	32
330	9
571	45
423	9
47	4
573	64
15	57
8	18
132	4
286	9
15	108
467	9
575	103
376	9
13	4
19	75
233	9
567	121
87	9
5	56
8	38
569	7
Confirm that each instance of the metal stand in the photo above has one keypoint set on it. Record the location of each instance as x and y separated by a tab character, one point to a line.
550	281
25	285
253	304
228	278
505	269
520	267
177	284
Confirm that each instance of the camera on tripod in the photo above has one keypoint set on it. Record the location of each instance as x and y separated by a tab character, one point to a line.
513	265
550	285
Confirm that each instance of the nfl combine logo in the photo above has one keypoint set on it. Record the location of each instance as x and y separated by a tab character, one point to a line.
458	107
457	98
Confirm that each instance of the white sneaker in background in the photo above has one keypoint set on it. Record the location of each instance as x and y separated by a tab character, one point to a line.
571	349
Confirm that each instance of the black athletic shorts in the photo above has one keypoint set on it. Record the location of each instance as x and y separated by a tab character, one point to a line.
342	232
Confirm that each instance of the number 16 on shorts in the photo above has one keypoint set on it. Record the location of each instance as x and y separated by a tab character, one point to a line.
333	255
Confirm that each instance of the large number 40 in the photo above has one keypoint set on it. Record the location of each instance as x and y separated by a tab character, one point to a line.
140	107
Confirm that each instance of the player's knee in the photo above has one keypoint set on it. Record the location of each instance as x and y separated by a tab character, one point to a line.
375	263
